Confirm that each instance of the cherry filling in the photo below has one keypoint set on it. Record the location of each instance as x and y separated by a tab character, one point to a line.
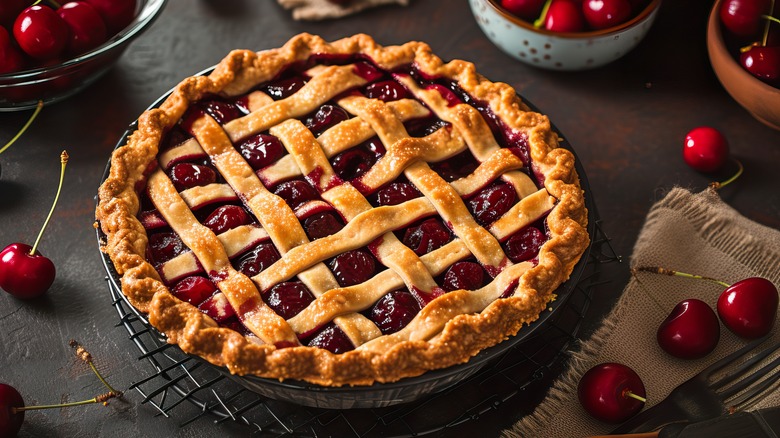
258	259
397	193
353	163
323	224
194	289
456	167
525	244
285	87
226	218
394	311
296	192
353	267
288	299
386	91
429	235
261	150
187	175
464	275
331	338
164	246
325	117
492	202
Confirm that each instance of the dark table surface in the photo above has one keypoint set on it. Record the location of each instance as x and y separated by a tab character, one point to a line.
626	121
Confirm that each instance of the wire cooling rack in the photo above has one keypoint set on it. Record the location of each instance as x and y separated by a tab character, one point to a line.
188	391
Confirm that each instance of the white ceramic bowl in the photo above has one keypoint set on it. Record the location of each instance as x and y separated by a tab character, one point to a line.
559	50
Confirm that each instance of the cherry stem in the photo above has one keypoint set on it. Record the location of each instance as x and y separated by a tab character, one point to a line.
24	128
670	272
769	20
647	292
539	22
64	160
635	396
720	185
84	355
102	398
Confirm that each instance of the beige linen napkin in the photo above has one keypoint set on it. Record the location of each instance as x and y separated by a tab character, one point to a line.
694	233
313	10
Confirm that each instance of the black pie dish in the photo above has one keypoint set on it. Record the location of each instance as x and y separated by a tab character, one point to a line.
379	395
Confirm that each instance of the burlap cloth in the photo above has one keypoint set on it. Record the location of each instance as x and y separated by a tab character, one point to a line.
313	10
694	233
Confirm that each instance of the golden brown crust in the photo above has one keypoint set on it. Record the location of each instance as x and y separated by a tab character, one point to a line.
462	337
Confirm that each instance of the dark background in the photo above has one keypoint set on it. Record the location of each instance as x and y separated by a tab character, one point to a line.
627	122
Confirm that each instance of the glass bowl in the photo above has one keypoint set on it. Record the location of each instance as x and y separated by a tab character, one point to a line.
22	90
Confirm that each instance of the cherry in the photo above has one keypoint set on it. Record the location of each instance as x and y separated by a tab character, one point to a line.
261	150
706	149
165	246
10	9
87	29
187	175
743	18
525	244
261	257
322	224
456	167
25	272
116	14
562	16
288	299
691	331
10	419
221	111
386	91
218	308
352	267
285	87
762	62
325	117
333	339
226	218
40	32
426	237
526	9
296	192
397	193
353	163
394	311
611	392
492	202
194	289
601	14
463	275
11	60
749	307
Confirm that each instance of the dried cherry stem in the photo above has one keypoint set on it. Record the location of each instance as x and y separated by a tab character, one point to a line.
539	22
671	272
102	398
719	185
84	355
24	128
64	161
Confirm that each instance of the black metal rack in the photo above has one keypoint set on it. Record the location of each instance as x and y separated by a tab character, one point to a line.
189	390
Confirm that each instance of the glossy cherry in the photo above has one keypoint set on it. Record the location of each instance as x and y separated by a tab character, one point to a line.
87	29
394	311
296	192
261	150
10	419
40	32
386	91
218	308
165	246
762	62
463	275
285	87
611	392
116	14
397	193
705	149
226	218
194	289
333	339
427	236
287	299
188	175
322	224
749	307
564	16
601	14
743	17
528	10
492	202
353	267
11	59
353	163
525	244
691	331
261	257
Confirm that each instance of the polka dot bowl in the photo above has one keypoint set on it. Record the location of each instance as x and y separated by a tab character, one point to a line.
559	50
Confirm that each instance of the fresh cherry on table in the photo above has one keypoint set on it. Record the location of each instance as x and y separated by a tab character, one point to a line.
749	307
601	14
87	29
762	62
691	331
40	32
705	149
611	392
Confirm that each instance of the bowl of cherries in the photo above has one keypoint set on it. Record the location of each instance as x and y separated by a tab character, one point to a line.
565	34
743	42
50	50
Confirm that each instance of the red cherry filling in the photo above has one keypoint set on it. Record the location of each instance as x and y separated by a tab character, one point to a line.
288	299
261	150
394	311
296	192
492	202
353	163
285	87
386	91
188	175
261	257
463	275
226	218
325	117
456	167
333	339
525	244
218	308
194	289
353	267
451	98
320	225
165	246
397	193
222	112
426	237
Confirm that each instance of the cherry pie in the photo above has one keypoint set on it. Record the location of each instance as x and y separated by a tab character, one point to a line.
341	213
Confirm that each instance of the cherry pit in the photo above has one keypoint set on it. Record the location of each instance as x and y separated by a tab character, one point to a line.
574	15
39	34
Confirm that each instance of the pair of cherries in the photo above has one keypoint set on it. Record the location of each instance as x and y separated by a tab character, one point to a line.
574	15
752	22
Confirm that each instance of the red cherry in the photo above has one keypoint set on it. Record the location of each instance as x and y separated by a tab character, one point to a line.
333	339
218	308
691	331
117	14
525	9
194	289
40	32
10	420
226	218
607	392
601	14
743	17
762	62
749	307
11	59
23	274
706	149
87	29
394	311
564	16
